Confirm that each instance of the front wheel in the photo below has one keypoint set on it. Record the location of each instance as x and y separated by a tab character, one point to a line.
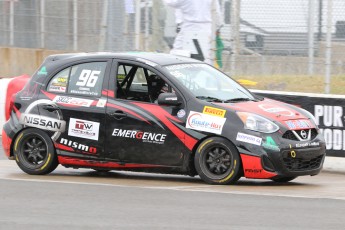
217	161
34	152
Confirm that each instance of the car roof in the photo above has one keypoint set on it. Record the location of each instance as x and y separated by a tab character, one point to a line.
150	58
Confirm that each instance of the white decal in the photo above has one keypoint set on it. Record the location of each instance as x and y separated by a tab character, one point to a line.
59	89
76	145
73	101
42	122
83	128
155	138
331	119
248	139
146	62
276	110
181	113
101	102
88	78
204	122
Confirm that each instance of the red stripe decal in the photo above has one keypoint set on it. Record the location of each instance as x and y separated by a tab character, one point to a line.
94	164
128	111
163	116
49	95
253	169
63	147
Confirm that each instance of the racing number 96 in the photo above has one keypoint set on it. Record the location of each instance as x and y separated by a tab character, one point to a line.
88	78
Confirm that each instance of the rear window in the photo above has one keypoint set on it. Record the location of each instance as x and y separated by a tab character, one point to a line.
83	79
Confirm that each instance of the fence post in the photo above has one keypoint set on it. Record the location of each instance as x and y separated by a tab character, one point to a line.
75	25
137	24
311	37
328	60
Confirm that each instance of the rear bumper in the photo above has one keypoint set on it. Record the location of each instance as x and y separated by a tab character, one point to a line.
6	143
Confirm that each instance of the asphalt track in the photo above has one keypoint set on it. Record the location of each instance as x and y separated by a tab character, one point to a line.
84	199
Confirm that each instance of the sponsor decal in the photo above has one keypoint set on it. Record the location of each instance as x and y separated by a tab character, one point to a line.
86	82
270	144
73	101
171	98
253	170
59	89
248	139
42	71
331	119
148	137
101	103
181	113
214	111
146	62
43	122
204	122
83	128
76	145
298	124
310	144
277	110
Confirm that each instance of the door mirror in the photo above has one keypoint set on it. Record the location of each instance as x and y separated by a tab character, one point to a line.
169	99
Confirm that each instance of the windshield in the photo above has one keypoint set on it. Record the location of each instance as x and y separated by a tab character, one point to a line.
207	83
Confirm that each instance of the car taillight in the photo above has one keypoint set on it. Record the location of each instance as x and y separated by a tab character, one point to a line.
10	106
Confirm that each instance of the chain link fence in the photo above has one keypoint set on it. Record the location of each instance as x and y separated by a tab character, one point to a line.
285	38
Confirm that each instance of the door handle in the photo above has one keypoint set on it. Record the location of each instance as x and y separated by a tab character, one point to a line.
50	108
118	115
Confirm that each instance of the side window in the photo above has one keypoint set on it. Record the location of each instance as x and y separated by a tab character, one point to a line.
59	82
87	79
139	84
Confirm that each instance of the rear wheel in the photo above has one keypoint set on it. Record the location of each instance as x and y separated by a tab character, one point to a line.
284	179
34	152
217	161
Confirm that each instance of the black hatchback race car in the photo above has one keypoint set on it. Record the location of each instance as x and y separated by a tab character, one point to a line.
156	113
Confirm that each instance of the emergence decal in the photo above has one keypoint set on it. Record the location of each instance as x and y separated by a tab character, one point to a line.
155	138
248	139
83	128
42	122
204	122
72	101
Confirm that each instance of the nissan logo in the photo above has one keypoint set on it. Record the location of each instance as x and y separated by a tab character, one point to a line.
303	134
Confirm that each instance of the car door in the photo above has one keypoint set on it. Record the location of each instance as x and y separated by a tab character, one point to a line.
138	129
74	96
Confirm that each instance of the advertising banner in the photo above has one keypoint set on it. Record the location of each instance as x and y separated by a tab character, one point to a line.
328	111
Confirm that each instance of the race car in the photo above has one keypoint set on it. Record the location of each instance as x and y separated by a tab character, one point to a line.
154	112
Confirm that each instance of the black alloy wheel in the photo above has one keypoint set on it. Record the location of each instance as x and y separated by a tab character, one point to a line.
34	152
217	161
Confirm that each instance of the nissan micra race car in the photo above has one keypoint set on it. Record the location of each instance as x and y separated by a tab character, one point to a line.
156	113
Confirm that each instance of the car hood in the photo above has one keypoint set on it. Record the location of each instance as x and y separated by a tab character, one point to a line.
273	110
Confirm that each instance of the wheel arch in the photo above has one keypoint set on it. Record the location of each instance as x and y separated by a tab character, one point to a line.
196	146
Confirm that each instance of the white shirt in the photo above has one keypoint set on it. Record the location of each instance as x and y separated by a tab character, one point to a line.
196	11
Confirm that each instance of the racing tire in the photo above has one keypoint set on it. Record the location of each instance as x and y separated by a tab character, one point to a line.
34	152
217	161
283	179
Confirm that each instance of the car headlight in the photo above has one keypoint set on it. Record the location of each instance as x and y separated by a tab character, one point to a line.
257	123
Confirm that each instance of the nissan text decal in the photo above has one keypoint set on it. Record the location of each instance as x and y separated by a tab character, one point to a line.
43	122
156	138
83	129
204	122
